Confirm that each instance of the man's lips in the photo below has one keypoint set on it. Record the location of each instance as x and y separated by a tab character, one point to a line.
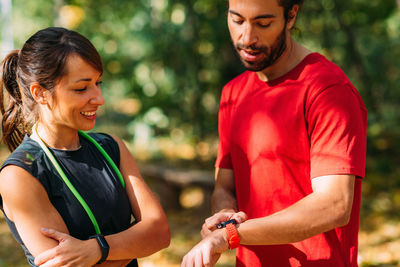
250	55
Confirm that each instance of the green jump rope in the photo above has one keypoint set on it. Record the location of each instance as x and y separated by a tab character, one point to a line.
69	184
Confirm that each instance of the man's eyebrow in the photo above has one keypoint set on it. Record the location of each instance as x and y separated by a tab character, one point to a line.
235	13
83	80
265	16
262	16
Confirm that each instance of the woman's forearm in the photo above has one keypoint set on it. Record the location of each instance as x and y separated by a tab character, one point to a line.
141	240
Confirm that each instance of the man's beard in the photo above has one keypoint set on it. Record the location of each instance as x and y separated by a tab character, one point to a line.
271	53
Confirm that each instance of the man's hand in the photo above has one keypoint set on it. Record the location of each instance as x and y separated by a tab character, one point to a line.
69	251
210	223
207	252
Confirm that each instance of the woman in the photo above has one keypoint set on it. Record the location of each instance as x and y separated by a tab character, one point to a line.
53	83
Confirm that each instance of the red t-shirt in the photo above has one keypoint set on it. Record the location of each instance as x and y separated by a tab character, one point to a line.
277	136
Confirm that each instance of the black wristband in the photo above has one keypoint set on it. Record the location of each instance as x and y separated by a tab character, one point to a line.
104	247
223	224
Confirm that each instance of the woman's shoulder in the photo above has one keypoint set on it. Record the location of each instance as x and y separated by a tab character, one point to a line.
103	138
16	183
25	155
109	143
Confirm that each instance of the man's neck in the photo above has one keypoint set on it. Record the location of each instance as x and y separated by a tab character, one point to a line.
290	58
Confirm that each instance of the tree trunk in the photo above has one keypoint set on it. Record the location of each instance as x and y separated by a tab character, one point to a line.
7	41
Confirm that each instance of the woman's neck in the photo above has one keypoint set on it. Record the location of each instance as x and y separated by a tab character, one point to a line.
56	137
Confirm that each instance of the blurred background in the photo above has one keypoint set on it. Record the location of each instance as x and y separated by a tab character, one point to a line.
166	62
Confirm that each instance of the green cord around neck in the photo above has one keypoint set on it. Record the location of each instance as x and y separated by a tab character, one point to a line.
104	153
66	180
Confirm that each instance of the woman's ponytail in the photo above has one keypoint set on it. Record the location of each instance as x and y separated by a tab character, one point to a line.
12	122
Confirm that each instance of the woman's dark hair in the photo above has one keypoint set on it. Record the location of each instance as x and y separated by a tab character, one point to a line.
41	60
288	5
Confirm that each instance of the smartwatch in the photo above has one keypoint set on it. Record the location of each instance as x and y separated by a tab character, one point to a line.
233	236
104	247
223	224
231	231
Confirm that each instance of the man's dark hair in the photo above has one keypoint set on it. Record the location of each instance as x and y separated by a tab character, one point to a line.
288	5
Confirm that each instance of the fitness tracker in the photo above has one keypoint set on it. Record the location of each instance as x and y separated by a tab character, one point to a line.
231	231
223	224
104	247
233	237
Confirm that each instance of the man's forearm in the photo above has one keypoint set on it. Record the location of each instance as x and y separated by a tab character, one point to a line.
223	200
291	225
118	263
319	212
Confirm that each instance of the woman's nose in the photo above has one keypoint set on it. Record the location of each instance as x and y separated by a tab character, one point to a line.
97	98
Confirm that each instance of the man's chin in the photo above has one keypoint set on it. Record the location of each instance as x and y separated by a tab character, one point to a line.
253	66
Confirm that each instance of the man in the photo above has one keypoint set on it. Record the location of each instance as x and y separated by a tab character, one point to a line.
291	153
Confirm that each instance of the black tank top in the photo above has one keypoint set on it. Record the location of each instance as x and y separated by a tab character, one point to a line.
91	175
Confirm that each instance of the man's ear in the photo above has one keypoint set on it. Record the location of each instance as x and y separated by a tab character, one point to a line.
39	94
292	16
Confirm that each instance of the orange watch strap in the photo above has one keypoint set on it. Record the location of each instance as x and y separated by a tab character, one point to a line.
233	236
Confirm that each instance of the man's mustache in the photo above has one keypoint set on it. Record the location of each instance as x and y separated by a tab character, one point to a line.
253	47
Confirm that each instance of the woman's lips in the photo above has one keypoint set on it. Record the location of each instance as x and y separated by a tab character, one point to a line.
90	115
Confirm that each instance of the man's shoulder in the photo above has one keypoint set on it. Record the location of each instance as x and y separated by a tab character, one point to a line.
324	77
318	69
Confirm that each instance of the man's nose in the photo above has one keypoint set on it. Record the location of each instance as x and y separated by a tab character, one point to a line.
249	36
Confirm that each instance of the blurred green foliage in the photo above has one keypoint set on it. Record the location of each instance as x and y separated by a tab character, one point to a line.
167	60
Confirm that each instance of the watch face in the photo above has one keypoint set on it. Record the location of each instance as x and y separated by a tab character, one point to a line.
102	242
224	224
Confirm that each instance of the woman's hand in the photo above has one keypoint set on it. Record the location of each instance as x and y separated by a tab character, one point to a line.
69	251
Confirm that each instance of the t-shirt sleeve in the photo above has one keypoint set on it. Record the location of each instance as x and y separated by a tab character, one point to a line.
337	121
223	154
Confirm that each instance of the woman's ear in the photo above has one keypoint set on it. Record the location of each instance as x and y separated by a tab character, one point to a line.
39	94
